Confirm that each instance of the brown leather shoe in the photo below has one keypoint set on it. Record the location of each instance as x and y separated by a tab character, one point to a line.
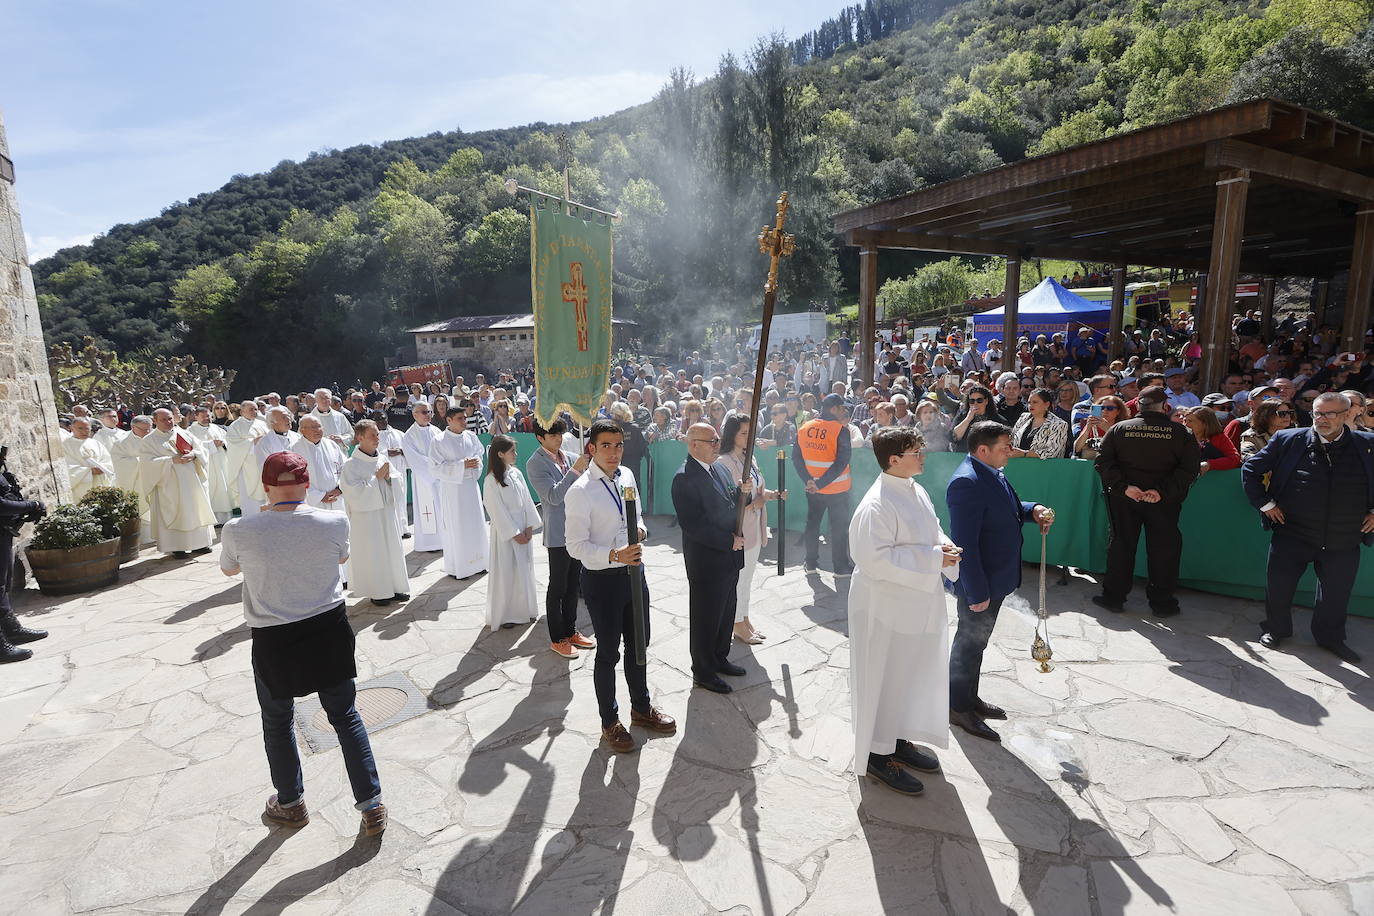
294	817
618	738
654	721
374	820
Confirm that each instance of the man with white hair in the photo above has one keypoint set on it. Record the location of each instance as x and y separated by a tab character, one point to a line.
325	461
175	467
245	483
418	443
88	463
335	425
129	471
216	448
279	438
107	431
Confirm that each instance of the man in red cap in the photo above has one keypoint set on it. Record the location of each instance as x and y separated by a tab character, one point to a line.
290	556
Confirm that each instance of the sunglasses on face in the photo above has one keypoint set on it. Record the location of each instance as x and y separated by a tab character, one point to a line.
977	400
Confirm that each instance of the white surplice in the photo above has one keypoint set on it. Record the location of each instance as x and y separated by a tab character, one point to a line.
512	596
324	461
418	442
271	443
898	624
181	513
334	423
245	486
216	447
377	566
390	439
86	457
128	464
107	435
462	526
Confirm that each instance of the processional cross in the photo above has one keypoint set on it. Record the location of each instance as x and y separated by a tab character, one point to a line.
576	293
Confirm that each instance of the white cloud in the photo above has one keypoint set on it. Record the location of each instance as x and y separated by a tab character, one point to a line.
41	246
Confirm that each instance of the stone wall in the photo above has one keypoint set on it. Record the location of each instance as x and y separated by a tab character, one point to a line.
28	416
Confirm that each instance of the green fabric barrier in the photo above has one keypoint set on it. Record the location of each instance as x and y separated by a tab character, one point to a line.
1224	547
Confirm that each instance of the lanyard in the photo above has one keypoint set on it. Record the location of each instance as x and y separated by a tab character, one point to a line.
294	502
619	504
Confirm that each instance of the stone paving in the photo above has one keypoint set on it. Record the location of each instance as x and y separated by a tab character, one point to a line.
1171	768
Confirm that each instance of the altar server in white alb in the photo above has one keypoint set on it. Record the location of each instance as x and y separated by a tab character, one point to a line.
336	426
245	479
393	449
89	464
457	462
418	442
512	596
898	626
126	455
217	448
370	488
174	468
325	461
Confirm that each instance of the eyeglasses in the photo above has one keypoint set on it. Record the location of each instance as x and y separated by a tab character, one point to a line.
919	451
1330	414
715	440
1283	413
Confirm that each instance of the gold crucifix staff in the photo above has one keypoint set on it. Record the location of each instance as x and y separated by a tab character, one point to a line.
777	245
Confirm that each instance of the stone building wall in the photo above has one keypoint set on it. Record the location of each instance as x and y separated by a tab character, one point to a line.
28	415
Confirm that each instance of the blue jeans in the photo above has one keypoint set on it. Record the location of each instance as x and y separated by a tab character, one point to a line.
284	761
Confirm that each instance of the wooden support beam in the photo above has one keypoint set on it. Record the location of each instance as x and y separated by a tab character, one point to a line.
1360	287
1233	187
1115	343
868	312
916	241
1290	169
1320	300
1267	308
1011	306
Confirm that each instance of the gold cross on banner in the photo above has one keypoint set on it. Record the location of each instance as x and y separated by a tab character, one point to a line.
576	293
776	244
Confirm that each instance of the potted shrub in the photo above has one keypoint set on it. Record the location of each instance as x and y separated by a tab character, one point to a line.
116	510
69	552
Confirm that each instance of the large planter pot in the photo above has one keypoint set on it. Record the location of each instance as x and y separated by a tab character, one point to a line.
129	536
65	572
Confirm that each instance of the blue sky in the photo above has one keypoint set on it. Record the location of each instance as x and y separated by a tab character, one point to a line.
116	108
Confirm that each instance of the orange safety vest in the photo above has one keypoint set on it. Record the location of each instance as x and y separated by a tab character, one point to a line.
819	441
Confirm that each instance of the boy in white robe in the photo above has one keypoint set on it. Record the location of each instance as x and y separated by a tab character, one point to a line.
456	459
216	447
370	487
418	442
89	465
512	596
898	623
174	470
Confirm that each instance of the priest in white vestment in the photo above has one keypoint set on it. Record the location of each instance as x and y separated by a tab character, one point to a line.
512	596
128	464
107	431
244	476
456	459
279	438
371	487
393	449
418	441
217	448
325	460
89	465
175	468
336	426
898	623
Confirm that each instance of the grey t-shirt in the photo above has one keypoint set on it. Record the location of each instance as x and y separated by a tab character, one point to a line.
290	562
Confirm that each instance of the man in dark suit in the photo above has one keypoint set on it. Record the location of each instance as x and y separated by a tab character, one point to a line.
1318	504
985	519
704	498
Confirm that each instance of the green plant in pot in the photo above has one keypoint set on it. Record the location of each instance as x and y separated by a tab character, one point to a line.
69	552
66	528
117	511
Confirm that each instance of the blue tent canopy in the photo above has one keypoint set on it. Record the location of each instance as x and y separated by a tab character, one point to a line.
1045	310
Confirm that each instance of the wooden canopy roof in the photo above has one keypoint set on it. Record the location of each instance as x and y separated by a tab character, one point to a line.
1149	197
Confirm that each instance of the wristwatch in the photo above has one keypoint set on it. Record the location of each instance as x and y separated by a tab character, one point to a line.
612	556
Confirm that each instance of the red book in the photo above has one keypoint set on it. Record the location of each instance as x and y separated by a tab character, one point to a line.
182	444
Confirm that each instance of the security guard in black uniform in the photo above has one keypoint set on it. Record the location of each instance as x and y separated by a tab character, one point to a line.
15	510
1147	466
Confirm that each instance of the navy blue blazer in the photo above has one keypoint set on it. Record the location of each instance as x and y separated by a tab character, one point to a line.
985	520
1280	457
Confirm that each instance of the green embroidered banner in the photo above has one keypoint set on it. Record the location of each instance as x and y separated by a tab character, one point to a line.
570	270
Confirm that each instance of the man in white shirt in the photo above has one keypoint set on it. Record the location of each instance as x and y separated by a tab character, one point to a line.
597	537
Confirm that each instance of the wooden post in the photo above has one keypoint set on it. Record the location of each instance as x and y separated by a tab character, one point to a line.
1267	308
1011	304
1115	344
1233	188
1361	284
868	311
1320	300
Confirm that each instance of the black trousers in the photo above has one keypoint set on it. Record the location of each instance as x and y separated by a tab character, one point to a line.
6	573
966	652
1336	570
711	583
837	506
608	602
560	601
1163	548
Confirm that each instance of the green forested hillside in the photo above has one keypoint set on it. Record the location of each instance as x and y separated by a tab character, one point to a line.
351	247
